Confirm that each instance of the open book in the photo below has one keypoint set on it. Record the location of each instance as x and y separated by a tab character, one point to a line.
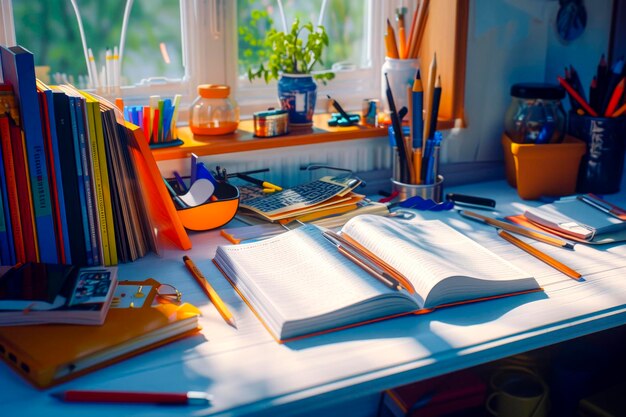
302	283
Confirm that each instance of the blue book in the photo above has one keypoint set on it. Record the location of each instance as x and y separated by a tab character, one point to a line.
7	248
84	187
57	195
18	68
74	218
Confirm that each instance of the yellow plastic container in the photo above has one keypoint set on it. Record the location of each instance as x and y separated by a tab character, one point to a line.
549	169
214	213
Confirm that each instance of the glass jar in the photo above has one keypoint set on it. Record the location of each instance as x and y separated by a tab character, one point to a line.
213	112
535	114
401	74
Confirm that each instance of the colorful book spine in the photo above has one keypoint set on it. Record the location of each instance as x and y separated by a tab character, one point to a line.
18	69
84	161
101	181
11	184
25	202
57	195
7	248
66	134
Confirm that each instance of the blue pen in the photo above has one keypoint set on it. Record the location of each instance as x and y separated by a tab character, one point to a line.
181	182
194	169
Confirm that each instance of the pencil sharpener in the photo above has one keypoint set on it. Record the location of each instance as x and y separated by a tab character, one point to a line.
214	213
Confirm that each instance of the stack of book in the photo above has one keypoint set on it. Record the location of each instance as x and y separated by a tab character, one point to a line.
324	197
78	185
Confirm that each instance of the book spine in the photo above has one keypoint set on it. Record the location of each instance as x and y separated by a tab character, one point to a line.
18	68
57	198
66	134
106	186
13	202
97	182
7	249
22	180
85	163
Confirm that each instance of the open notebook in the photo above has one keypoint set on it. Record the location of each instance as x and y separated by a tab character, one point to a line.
302	283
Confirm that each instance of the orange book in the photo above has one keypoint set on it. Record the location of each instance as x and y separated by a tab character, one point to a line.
25	236
9	173
159	203
47	355
308	281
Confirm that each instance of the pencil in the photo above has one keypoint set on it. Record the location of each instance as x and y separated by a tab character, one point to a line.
430	93
577	97
539	255
434	115
620	111
551	240
419	29
390	42
615	98
209	291
418	111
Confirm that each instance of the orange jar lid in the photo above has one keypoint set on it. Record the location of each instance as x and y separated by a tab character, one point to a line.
213	91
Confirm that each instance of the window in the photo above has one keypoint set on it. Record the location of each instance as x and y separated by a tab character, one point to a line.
204	42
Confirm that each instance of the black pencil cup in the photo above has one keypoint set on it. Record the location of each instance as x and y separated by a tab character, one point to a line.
602	165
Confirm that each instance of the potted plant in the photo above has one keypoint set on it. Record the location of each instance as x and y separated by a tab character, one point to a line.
291	57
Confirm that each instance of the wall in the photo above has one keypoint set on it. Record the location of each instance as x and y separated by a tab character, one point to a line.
512	41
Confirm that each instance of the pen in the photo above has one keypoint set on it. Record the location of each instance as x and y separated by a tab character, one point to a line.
554	241
470	199
135	397
210	292
260	183
540	255
340	109
604	206
363	262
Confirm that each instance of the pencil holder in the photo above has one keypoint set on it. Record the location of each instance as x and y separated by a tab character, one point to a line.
401	74
426	191
212	214
603	163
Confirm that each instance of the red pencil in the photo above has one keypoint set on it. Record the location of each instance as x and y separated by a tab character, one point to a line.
576	96
188	398
615	98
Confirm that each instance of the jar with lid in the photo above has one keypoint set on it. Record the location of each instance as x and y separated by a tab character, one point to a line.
213	112
535	114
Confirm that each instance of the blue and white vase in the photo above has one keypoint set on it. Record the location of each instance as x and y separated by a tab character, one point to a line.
297	94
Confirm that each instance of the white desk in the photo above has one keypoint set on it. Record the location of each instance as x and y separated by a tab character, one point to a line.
249	373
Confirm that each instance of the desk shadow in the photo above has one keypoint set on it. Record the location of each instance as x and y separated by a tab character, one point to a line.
418	325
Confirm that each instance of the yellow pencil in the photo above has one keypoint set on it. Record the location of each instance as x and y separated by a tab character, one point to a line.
390	41
210	292
540	255
430	97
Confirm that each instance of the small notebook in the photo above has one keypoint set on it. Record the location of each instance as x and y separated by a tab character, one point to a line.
37	293
311	287
576	218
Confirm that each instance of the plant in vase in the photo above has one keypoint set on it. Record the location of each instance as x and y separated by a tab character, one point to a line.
291	58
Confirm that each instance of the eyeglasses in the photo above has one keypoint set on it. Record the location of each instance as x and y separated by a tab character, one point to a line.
169	292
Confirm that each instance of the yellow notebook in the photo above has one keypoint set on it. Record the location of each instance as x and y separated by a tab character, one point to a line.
137	322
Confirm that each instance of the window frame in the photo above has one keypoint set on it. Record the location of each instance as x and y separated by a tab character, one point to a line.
209	45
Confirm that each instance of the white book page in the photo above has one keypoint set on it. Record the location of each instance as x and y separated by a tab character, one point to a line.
427	252
299	274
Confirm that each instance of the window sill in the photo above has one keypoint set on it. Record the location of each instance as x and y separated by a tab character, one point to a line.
243	139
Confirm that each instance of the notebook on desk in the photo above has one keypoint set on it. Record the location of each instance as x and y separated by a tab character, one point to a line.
49	354
301	283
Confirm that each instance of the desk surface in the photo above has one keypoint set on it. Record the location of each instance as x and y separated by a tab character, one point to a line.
247	372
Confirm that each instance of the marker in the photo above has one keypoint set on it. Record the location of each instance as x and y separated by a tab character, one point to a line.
134	397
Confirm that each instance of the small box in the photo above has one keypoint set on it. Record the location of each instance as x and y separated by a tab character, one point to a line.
212	214
549	169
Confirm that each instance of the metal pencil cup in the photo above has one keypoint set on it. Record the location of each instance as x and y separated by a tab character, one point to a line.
426	191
